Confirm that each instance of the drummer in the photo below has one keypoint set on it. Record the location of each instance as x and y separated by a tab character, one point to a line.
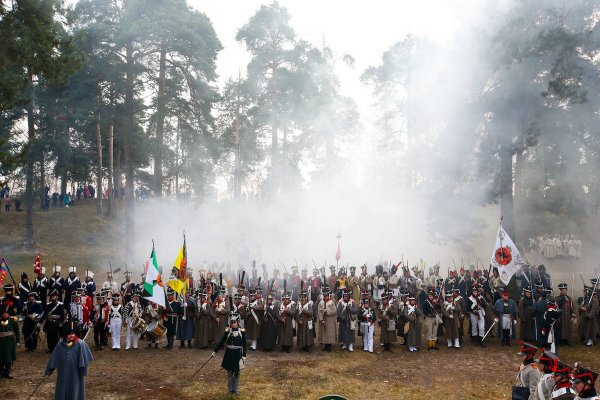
152	314
135	324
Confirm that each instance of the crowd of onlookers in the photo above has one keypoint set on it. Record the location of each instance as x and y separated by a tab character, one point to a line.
551	247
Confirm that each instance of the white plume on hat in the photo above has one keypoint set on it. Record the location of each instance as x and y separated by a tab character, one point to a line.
43	271
72	269
89	274
56	268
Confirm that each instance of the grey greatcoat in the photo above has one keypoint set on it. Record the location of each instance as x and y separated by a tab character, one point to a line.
287	314
589	324
450	315
327	314
346	313
255	314
203	322
387	322
565	304
413	315
72	362
527	317
220	319
529	376
305	331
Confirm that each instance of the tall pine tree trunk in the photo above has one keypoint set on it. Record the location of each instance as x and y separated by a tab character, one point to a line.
237	179
99	166
127	137
29	239
160	123
111	166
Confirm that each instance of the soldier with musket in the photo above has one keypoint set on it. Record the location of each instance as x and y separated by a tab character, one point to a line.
99	317
32	311
583	381
450	316
54	315
561	374
346	313
527	315
234	341
9	337
327	315
565	304
460	304
529	374
287	315
269	325
254	316
220	311
413	314
10	302
305	332
476	307
171	313
204	317
589	316
431	309
386	314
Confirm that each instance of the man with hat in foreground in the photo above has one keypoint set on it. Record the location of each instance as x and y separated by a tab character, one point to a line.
9	337
327	316
565	305
413	314
99	317
387	312
172	313
10	302
131	312
583	382
589	315
234	341
367	319
72	357
287	314
305	331
526	315
529	375
57	282
546	362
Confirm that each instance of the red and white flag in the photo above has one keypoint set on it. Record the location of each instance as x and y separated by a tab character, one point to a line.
37	265
338	253
506	256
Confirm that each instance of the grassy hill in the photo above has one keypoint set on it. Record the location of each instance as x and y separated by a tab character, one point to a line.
65	236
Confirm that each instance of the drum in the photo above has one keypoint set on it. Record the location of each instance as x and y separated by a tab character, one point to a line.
138	325
156	329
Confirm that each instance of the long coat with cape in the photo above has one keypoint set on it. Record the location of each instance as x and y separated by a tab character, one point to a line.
72	360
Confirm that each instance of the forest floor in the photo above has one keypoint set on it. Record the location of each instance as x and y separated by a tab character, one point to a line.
76	236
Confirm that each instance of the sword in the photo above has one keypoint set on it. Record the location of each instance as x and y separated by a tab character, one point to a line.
489	330
38	386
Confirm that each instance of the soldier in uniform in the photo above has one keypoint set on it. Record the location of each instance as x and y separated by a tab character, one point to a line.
57	282
127	288
54	318
476	307
565	304
544	387
527	316
71	285
346	313
269	325
413	314
365	280
314	283
287	314
203	320
110	285
11	302
221	311
171	313
353	284
24	288
431	309
131	312
32	312
115	321
40	285
327	317
588	315
89	285
386	314
450	316
367	319
305	331
76	313
185	321
583	381
153	312
100	319
562	384
505	310
234	341
9	337
529	374
332	279
254	316
460	305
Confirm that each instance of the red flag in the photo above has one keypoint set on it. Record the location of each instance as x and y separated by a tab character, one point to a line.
37	265
3	269
338	253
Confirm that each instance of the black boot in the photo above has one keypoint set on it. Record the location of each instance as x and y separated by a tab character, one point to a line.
7	367
182	345
189	344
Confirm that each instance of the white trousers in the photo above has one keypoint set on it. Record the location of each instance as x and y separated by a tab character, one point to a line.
368	337
477	323
130	336
115	332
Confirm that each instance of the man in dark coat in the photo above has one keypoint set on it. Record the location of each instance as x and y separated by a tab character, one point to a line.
54	315
346	312
32	312
386	313
9	337
526	316
505	310
172	314
565	304
72	357
185	322
234	341
267	337
539	308
287	314
40	285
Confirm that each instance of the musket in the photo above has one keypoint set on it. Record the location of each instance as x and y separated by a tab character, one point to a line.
462	263
484	336
315	264
593	291
284	268
296	261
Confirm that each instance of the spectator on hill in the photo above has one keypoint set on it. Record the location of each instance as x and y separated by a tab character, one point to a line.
68	199
92	191
7	203
18	204
54	199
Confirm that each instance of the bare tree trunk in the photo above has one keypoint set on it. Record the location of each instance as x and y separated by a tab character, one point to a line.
160	123
177	158
237	178
127	135
109	209
118	176
42	179
506	187
99	171
29	239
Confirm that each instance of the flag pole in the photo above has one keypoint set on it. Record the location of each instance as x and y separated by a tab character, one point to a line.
10	273
337	258
501	250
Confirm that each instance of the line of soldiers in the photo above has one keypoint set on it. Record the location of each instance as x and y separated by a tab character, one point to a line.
547	377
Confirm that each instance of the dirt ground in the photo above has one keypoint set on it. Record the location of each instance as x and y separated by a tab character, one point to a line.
468	373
